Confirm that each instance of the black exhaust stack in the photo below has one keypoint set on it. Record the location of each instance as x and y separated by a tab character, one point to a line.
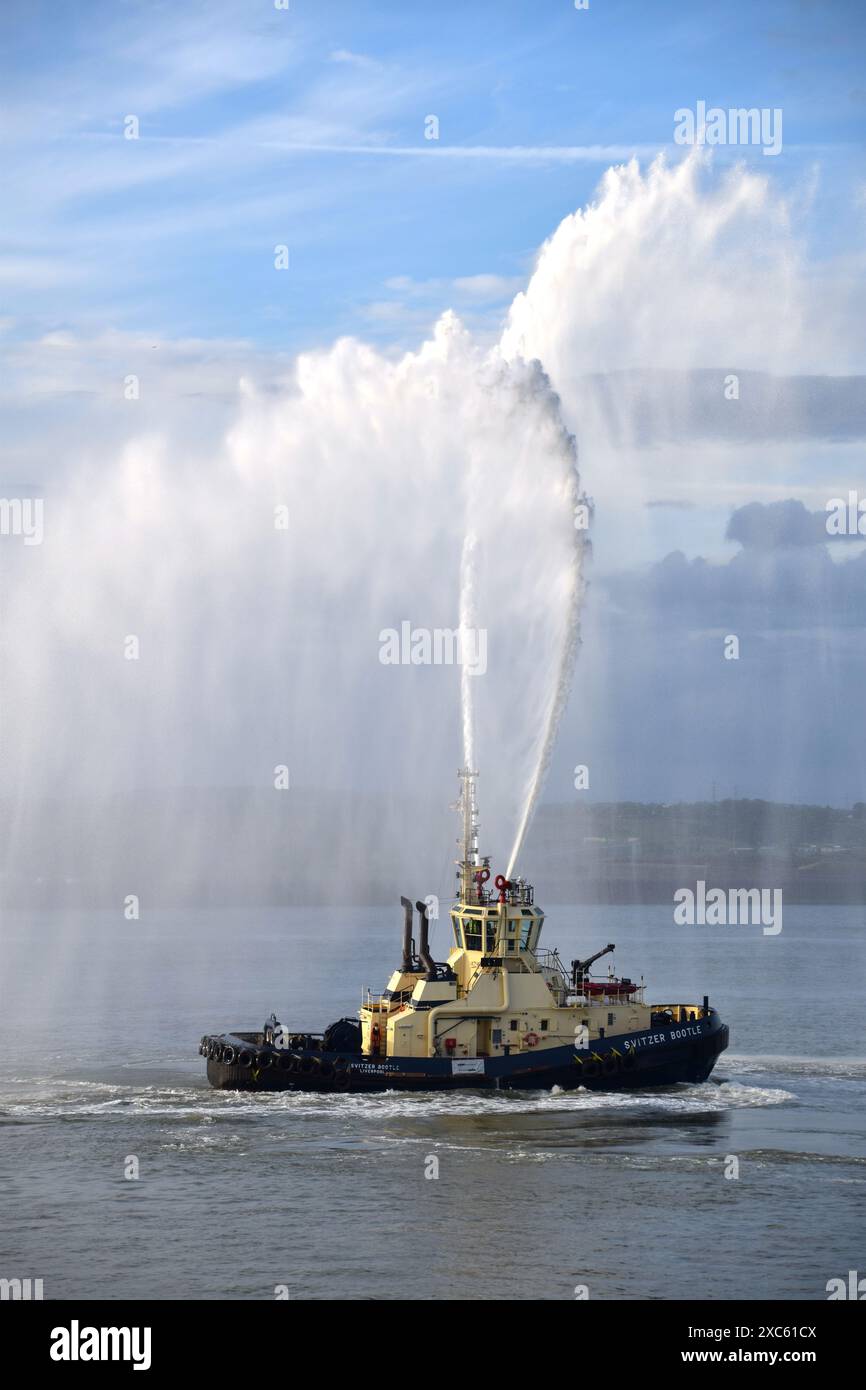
408	963
424	949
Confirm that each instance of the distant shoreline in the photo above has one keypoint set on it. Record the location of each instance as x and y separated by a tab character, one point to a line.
211	847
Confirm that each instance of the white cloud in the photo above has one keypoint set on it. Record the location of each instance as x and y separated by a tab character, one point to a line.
358	60
484	287
38	272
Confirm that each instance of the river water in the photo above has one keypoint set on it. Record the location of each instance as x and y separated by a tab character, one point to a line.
538	1195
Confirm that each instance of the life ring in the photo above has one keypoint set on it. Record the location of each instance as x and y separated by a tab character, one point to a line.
532	1039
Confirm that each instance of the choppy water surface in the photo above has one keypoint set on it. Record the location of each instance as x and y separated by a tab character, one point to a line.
536	1193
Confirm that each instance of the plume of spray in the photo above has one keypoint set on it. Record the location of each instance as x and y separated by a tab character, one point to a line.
676	282
468	627
563	601
570	595
642	302
440	483
671	267
257	646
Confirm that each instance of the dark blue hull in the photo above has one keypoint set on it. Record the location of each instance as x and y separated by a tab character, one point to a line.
654	1057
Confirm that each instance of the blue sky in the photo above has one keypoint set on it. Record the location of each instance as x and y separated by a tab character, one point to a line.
251	119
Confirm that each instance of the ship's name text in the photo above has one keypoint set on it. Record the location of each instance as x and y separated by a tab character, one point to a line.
653	1038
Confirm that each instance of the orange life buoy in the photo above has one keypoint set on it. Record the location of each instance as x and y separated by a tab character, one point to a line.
531	1039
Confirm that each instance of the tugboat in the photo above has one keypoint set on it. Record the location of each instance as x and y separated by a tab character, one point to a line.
500	1013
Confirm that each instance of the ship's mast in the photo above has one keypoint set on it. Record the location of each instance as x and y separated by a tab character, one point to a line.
469	862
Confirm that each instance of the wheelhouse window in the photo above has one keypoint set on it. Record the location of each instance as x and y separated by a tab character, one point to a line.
472	929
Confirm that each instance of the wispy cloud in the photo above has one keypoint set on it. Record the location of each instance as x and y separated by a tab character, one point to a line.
358	60
519	154
471	287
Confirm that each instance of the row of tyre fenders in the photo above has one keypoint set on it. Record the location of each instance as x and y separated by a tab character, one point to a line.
263	1058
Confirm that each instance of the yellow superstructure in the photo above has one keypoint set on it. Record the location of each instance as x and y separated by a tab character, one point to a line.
498	993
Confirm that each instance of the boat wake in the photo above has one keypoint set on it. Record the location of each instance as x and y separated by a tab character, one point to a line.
831	1068
29	1102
